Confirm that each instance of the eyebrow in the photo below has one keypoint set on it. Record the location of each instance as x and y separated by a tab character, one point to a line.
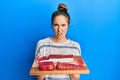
58	24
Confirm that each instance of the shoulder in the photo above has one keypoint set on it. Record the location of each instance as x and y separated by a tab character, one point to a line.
43	41
74	42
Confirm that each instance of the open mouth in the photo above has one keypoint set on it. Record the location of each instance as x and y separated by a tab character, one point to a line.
59	34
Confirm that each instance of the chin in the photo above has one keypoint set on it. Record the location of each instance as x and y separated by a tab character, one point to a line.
59	37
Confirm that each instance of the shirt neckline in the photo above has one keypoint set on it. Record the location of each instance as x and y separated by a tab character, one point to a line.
58	43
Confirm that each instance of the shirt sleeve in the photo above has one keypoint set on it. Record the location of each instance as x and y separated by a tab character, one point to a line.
79	49
37	52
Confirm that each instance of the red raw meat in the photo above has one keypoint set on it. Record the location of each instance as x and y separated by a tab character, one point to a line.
68	66
79	61
46	66
40	58
60	56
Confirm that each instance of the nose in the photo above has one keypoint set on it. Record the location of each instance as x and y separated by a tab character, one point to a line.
59	28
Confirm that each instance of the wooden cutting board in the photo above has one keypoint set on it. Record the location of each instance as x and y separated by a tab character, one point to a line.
35	71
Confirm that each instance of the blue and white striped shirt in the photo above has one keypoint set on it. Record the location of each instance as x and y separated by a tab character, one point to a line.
47	46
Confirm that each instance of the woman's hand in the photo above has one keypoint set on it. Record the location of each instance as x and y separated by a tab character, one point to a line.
74	76
41	77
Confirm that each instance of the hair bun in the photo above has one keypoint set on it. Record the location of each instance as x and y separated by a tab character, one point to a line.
62	7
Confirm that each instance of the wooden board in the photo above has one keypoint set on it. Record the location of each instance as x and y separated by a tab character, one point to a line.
35	71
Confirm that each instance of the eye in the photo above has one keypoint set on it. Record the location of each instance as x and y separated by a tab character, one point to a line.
63	25
55	25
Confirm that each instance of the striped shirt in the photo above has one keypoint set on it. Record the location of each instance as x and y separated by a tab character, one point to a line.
47	46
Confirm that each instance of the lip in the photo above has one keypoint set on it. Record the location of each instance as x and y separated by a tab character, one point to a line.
59	34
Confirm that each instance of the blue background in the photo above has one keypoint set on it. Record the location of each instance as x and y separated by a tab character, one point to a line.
95	24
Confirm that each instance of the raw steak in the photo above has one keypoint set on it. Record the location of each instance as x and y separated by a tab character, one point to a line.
68	66
60	56
46	66
79	61
40	58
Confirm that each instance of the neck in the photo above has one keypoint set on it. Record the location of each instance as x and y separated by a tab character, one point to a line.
58	40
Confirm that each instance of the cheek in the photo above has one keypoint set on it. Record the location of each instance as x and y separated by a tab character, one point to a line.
55	30
65	30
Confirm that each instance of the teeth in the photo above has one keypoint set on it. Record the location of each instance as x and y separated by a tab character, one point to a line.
59	33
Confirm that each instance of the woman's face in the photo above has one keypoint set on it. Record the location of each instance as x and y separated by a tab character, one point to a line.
60	26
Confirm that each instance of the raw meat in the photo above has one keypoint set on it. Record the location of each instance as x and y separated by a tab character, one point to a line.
68	66
46	66
79	61
40	58
61	58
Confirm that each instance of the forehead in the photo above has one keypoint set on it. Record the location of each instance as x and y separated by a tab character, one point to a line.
60	19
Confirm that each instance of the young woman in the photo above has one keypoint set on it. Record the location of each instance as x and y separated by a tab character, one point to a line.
58	43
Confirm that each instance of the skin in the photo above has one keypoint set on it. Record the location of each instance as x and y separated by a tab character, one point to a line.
60	27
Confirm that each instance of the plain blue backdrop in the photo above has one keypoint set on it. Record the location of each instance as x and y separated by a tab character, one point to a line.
95	24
